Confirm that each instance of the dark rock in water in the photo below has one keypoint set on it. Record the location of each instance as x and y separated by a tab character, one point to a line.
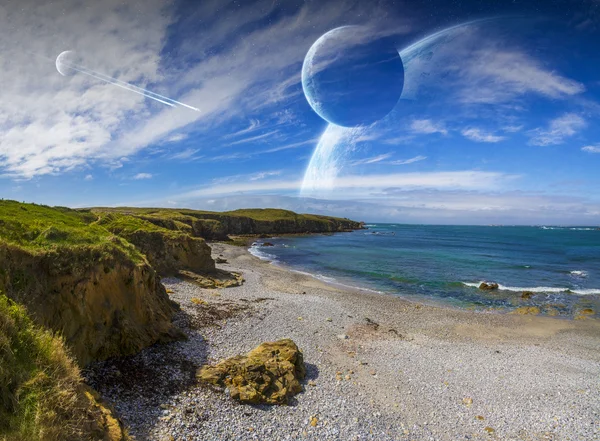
270	373
488	286
527	295
267	244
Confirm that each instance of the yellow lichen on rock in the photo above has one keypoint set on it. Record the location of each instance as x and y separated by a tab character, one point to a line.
527	310
270	373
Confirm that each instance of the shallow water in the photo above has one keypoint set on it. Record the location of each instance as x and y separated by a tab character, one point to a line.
559	265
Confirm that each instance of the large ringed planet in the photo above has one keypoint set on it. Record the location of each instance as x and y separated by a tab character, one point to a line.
351	77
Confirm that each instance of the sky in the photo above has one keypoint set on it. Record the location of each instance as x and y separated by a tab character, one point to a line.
491	117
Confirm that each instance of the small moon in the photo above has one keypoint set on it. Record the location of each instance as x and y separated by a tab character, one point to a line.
62	66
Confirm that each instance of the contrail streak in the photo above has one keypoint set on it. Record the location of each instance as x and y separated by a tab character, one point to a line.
148	94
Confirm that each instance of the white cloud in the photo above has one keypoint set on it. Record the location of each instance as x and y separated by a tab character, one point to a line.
262	175
426	126
176	138
591	148
89	178
560	128
353	186
254	138
50	123
421	206
371	160
185	154
479	135
141	176
408	161
254	124
495	75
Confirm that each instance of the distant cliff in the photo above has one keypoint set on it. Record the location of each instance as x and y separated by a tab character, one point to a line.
218	226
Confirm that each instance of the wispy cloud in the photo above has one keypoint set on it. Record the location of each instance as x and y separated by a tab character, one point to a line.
89	177
591	148
185	154
499	75
479	135
427	126
141	176
351	186
408	161
558	130
254	138
372	160
254	124
262	175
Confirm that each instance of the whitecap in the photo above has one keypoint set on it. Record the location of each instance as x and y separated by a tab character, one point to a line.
542	289
579	273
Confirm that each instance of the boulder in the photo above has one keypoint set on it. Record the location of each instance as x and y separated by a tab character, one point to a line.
270	373
527	295
267	244
488	286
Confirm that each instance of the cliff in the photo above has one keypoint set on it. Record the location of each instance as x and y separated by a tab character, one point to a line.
167	251
78	279
42	393
217	226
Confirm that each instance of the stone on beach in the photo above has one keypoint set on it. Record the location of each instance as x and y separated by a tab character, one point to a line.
270	373
488	286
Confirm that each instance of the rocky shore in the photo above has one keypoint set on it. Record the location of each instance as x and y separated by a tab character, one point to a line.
377	367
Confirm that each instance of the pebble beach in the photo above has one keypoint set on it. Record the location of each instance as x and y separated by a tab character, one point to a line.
378	367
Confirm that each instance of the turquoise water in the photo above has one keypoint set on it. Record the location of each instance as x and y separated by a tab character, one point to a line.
561	266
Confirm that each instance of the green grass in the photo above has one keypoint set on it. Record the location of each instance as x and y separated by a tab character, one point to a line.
41	390
39	228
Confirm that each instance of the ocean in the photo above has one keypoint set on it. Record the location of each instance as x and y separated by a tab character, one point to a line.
559	266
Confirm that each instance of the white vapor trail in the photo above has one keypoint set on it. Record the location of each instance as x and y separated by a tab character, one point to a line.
148	94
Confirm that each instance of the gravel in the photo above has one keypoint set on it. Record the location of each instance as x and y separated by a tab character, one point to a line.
379	367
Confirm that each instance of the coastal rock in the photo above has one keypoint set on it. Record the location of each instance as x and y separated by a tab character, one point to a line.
103	303
488	286
267	244
270	373
170	253
526	295
527	310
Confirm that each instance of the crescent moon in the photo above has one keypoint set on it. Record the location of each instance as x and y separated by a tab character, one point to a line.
59	62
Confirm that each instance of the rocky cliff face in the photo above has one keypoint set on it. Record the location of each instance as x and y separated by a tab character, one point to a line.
297	224
170	253
104	303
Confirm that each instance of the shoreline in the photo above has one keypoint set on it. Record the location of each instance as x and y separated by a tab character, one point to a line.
425	299
383	367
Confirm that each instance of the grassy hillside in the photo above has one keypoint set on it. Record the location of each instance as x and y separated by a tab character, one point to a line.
39	228
42	394
217	225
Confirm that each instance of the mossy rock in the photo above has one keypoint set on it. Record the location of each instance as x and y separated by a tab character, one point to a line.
527	310
270	373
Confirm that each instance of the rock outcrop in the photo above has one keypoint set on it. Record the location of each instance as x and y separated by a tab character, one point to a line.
99	299
217	226
270	373
170	252
488	286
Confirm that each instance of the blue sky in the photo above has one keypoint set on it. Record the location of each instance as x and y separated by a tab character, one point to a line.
497	122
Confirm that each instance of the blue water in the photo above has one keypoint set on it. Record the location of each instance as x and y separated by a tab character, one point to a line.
561	266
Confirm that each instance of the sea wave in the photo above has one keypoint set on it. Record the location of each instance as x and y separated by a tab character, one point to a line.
570	228
578	273
256	250
335	282
542	289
